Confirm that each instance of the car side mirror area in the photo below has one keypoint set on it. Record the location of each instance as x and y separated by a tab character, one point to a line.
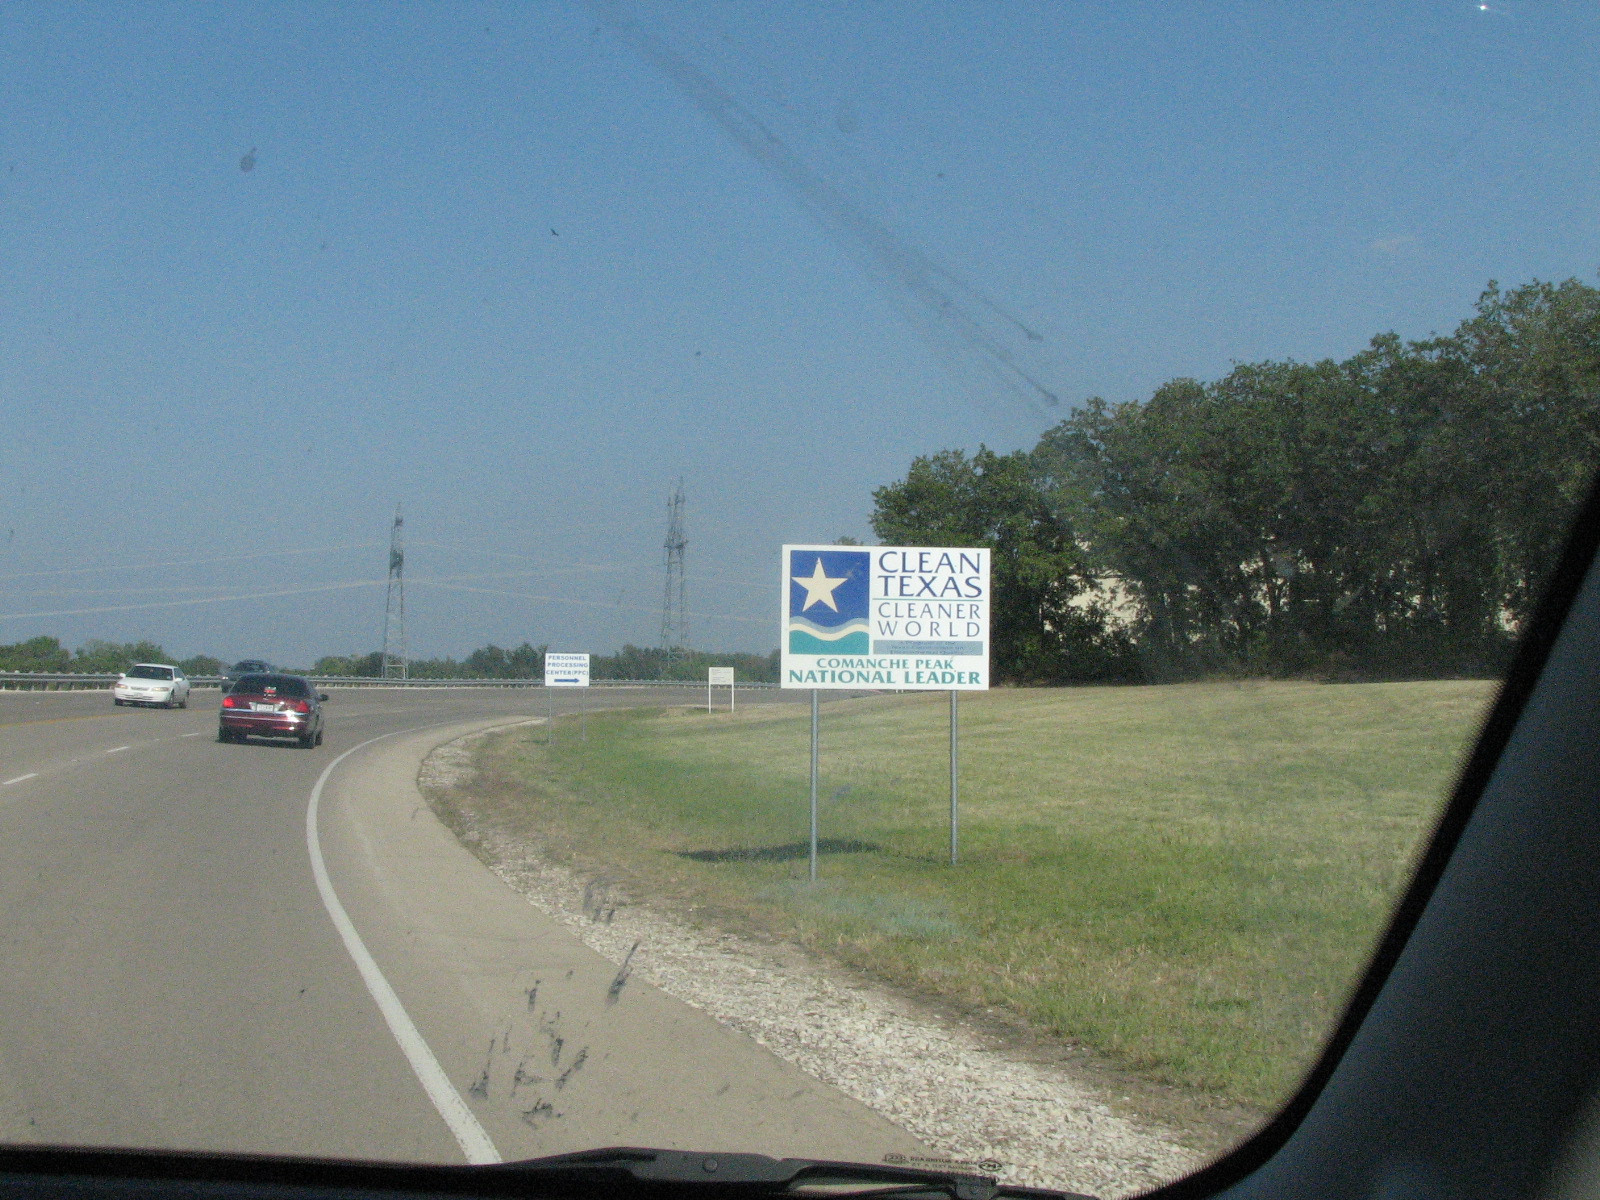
322	697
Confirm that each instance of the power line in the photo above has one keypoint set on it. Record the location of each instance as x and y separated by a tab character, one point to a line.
606	605
230	599
187	562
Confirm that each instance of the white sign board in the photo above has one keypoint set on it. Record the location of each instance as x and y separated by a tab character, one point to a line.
566	670
914	618
720	675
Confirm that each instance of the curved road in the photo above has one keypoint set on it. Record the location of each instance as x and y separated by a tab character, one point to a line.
171	975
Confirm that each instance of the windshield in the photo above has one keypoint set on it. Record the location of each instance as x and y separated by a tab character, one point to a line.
898	583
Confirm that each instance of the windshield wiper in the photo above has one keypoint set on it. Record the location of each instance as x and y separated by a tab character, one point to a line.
615	1173
677	1172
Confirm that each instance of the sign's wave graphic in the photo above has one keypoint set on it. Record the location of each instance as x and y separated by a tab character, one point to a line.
828	633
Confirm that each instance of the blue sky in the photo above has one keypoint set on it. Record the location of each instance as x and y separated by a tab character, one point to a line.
508	265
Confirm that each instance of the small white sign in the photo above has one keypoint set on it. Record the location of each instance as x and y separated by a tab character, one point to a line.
566	670
720	675
911	618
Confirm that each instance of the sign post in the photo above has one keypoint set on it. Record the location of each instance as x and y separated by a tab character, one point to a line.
813	785
955	792
908	618
719	676
562	670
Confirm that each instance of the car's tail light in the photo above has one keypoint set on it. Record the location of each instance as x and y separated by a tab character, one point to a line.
300	706
230	702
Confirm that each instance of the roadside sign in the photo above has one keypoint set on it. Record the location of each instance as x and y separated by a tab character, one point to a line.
910	618
720	677
566	670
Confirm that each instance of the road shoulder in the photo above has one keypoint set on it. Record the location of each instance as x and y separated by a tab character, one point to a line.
555	1047
949	1082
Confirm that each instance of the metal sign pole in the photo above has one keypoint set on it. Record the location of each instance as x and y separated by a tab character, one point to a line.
708	693
549	715
731	705
813	785
954	791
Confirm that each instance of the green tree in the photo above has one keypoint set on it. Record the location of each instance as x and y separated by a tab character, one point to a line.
1045	624
526	661
100	657
487	662
1395	513
432	668
363	666
35	654
642	662
1146	485
1534	354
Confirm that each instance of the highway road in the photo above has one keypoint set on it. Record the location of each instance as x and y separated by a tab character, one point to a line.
173	972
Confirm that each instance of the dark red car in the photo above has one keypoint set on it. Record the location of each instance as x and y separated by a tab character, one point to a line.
274	706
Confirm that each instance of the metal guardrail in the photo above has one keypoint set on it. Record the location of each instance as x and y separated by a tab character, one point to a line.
52	681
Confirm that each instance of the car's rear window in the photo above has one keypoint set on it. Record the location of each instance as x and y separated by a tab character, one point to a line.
272	685
143	672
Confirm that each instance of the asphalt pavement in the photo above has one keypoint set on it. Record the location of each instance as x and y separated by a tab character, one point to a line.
181	959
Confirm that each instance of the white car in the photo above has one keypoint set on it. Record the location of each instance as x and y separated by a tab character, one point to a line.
152	683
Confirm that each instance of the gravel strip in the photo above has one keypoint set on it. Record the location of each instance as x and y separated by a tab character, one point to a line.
953	1088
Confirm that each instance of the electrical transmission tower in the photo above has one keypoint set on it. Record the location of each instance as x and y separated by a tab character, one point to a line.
674	602
395	665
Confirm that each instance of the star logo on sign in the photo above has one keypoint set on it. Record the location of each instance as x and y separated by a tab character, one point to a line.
819	588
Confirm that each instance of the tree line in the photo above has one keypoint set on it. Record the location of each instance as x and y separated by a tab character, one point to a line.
526	661
1391	515
95	657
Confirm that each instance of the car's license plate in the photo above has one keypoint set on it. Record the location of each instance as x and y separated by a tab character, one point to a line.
263	708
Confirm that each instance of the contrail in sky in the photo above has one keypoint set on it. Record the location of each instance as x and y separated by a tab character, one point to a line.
955	307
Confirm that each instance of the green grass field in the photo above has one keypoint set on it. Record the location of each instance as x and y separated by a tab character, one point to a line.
1184	878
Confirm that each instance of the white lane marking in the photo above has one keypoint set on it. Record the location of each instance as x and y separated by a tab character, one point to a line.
72	762
469	1134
